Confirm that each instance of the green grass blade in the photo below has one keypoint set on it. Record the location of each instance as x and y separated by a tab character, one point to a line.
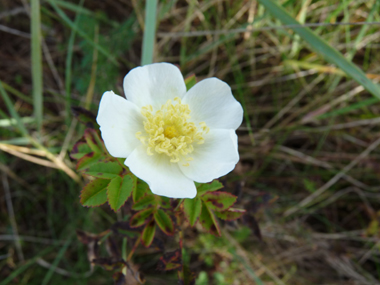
81	33
350	108
17	93
320	46
68	72
36	62
149	32
79	9
12	111
60	254
25	266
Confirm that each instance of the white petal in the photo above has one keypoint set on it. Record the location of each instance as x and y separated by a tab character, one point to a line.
211	101
163	177
119	122
213	159
154	84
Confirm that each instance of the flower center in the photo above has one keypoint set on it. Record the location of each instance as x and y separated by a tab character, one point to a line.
169	131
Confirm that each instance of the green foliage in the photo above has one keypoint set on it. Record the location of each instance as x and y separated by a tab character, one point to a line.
36	51
141	190
190	81
116	42
94	193
149	32
209	187
208	221
164	221
141	217
230	214
192	209
119	190
145	202
148	233
219	201
94	161
105	169
209	203
94	144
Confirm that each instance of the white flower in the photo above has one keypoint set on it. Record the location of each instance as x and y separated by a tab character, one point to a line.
169	137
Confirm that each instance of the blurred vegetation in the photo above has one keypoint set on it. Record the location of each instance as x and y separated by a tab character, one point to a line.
310	161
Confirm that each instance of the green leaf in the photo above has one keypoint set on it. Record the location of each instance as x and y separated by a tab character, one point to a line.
320	46
141	189
190	81
230	214
88	150
208	221
85	116
164	221
94	193
118	191
79	150
141	217
148	233
93	140
12	111
145	202
149	32
105	169
192	210
209	187
219	201
88	159
164	202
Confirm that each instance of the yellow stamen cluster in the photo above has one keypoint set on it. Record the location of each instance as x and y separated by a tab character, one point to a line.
169	132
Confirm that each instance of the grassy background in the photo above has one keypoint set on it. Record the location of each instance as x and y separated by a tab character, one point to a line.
310	159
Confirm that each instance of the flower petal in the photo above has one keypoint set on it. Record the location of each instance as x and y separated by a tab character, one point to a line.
215	158
211	101
163	177
154	84
119	122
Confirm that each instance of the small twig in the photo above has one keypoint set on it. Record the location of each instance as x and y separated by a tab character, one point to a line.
12	12
22	149
30	239
27	157
61	271
14	32
12	216
134	248
369	252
